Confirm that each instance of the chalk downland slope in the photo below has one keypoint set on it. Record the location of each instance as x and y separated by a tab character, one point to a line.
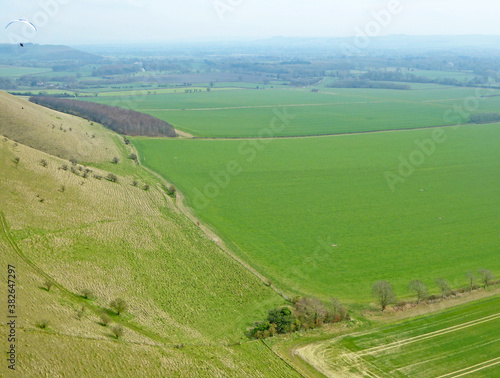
55	133
187	300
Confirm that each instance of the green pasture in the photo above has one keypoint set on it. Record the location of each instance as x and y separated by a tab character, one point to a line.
463	340
285	203
250	113
14	71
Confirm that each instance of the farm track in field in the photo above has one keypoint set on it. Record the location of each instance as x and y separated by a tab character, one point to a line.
262	106
397	344
316	354
472	369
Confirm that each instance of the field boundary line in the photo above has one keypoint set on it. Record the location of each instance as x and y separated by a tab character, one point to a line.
343	134
260	106
467	370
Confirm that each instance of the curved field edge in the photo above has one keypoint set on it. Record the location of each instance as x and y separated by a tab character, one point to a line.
309	212
119	239
449	343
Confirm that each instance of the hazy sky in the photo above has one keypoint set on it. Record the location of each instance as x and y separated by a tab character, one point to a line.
104	21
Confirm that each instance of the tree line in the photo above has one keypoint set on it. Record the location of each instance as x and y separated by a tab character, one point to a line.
383	291
123	121
364	83
481	118
412	78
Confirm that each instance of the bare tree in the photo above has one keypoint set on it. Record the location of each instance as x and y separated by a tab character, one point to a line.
443	286
117	331
105	319
47	284
339	308
384	293
485	277
87	294
419	288
111	177
471	278
119	305
80	313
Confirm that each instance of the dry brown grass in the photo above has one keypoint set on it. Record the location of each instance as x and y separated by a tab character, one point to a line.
40	128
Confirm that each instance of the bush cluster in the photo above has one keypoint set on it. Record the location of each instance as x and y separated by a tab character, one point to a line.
304	313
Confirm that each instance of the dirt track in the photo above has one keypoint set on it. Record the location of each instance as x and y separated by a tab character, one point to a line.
316	354
188	212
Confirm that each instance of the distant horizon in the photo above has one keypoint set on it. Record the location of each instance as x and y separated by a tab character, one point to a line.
135	21
254	39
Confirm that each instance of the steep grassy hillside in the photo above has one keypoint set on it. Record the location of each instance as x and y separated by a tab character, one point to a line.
78	230
55	133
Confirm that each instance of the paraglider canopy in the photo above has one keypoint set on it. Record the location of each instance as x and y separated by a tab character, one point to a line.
22	20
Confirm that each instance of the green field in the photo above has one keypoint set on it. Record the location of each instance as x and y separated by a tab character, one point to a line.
283	203
252	113
14	71
462	341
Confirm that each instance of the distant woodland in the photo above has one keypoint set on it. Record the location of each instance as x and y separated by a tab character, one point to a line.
123	121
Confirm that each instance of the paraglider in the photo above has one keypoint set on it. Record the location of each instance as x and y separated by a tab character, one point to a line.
24	22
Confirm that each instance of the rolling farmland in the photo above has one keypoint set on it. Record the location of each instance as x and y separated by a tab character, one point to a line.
319	216
250	113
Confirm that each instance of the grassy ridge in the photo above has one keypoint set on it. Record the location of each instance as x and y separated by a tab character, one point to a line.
457	341
56	133
99	230
119	240
296	198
